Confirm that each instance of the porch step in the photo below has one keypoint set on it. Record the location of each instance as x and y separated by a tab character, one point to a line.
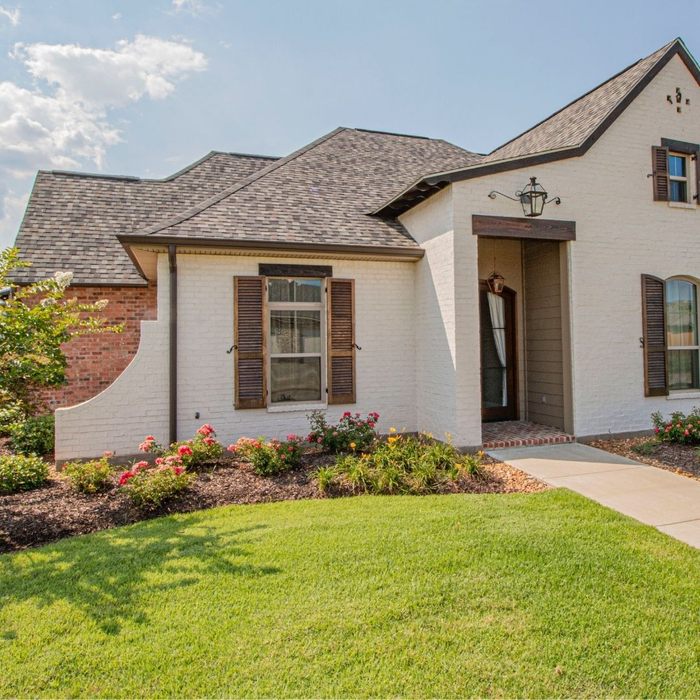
521	434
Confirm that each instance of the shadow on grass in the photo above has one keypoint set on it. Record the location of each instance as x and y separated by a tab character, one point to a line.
113	576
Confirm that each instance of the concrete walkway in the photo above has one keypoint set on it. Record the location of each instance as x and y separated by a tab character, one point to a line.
657	497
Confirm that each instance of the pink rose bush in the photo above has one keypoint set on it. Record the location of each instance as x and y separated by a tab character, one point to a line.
203	447
149	485
271	457
352	432
88	477
681	429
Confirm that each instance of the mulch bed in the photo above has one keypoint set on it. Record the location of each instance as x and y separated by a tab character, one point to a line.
55	511
680	459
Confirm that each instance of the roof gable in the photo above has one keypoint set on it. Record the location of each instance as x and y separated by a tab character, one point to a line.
568	133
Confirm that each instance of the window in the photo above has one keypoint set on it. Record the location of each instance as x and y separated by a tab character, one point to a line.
682	335
678	177
296	340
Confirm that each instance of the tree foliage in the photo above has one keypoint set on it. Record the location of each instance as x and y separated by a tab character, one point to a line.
35	321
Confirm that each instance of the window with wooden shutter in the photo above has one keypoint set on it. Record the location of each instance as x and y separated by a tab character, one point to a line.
250	340
654	328
659	164
341	341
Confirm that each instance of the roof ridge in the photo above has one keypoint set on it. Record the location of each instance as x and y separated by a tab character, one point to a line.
167	178
197	209
661	51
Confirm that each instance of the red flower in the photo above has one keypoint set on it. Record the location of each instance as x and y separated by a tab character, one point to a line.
290	448
206	430
178	470
656	430
685	432
231	448
371	425
318	441
208	441
347	414
149	438
125	477
291	437
311	437
184	450
111	454
140	465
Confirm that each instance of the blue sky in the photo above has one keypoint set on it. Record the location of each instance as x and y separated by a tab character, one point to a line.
145	88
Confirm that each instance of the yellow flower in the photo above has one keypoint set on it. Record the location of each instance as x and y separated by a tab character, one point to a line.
459	466
480	454
448	436
392	439
392	430
352	444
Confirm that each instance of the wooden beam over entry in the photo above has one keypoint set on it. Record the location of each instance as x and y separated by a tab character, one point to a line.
512	227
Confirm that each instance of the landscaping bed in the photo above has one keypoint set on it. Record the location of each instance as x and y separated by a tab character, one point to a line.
673	457
55	510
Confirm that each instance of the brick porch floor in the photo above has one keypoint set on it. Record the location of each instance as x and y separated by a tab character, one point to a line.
519	433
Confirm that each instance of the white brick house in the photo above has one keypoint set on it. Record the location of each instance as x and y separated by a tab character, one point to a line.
360	264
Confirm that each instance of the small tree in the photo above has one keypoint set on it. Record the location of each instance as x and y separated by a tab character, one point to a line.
35	321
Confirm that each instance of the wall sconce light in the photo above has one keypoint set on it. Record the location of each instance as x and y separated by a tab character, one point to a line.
532	198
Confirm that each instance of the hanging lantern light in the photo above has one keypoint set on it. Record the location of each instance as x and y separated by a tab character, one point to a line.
495	282
532	198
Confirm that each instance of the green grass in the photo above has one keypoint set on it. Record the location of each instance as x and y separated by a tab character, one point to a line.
521	595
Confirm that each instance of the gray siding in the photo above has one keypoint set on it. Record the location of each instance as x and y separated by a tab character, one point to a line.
543	329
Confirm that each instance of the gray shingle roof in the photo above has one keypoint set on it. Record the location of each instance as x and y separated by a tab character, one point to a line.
572	125
322	194
72	219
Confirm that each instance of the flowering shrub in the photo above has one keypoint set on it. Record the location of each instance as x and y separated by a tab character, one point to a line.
269	458
203	447
402	464
150	486
20	473
351	433
681	429
88	477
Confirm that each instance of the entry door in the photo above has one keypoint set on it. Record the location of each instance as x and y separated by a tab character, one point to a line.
498	371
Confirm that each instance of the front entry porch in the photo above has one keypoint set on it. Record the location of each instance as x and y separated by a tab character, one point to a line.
526	385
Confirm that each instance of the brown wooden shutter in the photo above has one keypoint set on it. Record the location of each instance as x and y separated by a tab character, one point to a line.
341	340
250	342
659	164
654	326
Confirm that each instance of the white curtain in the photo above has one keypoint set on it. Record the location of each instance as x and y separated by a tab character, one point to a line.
497	308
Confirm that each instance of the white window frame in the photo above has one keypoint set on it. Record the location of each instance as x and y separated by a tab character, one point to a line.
676	178
670	347
274	407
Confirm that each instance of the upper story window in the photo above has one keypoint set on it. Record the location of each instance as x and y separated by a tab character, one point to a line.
676	172
682	335
678	177
296	345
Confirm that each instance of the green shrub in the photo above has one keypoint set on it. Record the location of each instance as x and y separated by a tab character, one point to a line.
645	449
351	433
87	477
203	447
34	436
269	458
402	464
21	473
149	486
681	429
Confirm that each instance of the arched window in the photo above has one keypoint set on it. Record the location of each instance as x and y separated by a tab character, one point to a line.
682	335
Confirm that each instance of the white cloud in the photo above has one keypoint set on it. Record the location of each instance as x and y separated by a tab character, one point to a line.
193	7
11	14
63	120
117	15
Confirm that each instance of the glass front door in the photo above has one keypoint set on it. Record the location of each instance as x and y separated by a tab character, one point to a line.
498	386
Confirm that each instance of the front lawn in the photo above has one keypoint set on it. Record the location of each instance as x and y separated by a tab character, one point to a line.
543	594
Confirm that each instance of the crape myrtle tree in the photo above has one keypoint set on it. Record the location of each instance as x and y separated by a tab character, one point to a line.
35	321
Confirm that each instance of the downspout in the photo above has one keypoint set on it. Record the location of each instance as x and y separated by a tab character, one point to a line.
172	260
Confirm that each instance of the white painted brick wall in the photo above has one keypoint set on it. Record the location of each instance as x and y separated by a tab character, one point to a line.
137	403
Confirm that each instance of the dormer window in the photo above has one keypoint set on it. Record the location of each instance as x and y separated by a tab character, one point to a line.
678	177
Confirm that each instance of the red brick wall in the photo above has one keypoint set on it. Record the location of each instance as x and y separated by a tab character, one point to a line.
95	361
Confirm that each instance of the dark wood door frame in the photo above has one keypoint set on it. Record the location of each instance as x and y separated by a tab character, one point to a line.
511	411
